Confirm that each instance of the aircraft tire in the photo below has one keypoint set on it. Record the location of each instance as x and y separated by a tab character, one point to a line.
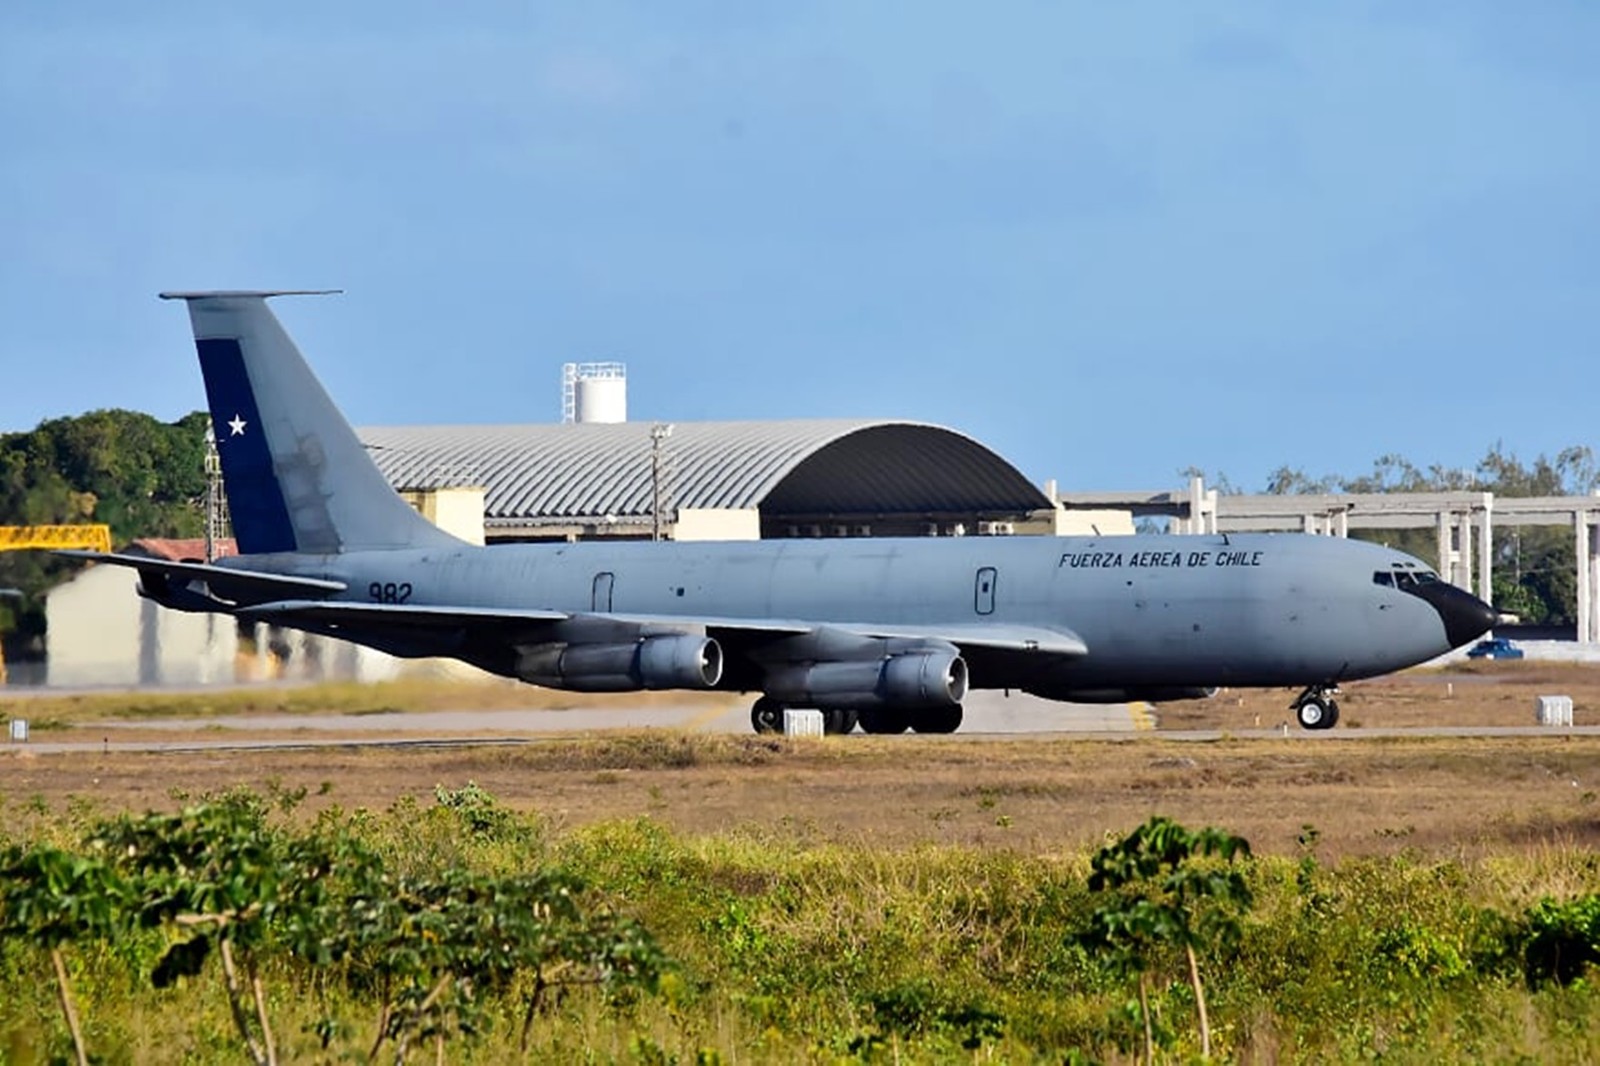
884	723
942	720
767	715
838	722
1316	713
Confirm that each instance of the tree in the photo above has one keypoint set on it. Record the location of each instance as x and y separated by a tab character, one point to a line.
143	477
434	947
219	873
1158	890
51	898
1286	481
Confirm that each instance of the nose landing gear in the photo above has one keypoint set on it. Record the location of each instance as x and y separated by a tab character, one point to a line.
1315	708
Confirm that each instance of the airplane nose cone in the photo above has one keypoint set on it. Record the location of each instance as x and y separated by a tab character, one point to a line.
1465	617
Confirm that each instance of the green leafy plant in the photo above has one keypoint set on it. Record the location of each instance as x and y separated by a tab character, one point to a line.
1558	941
50	898
1158	891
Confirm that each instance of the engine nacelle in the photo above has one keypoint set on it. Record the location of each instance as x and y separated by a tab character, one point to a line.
1147	693
679	661
908	681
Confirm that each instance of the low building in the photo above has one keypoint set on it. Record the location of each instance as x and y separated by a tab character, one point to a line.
101	632
718	480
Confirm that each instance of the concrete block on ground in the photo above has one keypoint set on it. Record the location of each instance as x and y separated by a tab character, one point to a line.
802	723
1553	710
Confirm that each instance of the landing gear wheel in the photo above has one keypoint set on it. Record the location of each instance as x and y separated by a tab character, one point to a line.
940	720
883	723
838	722
1313	713
1315	707
767	715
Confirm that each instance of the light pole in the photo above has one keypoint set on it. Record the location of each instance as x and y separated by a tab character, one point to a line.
658	436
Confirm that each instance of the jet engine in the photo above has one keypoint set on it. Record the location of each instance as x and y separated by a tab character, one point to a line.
677	661
908	681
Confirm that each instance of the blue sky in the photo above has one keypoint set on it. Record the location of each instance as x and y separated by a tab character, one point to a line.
1109	240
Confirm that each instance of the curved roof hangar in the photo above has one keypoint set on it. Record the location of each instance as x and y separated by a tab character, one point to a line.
795	467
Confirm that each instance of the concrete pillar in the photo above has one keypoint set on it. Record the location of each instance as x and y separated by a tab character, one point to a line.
149	643
1594	579
1464	554
1308	523
1444	545
1343	518
1486	551
1197	503
1583	548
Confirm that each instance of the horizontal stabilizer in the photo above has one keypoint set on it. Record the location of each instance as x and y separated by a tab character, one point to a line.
258	581
263	294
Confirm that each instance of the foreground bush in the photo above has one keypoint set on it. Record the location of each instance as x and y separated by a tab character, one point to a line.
474	931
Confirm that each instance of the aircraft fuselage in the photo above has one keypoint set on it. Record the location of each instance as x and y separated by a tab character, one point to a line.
1257	609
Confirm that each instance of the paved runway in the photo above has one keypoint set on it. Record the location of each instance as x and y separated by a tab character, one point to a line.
986	714
989	716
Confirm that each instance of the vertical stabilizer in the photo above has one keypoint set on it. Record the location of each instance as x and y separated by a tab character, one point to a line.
297	478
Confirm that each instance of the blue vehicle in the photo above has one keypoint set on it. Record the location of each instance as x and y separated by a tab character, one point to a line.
1495	648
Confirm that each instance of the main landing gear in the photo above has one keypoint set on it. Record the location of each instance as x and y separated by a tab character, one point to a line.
1315	708
767	717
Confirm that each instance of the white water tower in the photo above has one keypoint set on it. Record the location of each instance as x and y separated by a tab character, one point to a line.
594	392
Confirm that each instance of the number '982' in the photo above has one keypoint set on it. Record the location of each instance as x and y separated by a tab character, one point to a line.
389	591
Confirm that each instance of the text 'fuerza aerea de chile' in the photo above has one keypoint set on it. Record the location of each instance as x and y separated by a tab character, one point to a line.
1152	559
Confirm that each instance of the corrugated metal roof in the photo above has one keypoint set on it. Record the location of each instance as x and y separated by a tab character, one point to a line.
786	467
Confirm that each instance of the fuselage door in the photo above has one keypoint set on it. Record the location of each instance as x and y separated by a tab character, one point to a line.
983	590
600	600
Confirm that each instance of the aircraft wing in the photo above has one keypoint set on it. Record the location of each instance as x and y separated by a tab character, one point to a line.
406	616
989	637
255	582
997	636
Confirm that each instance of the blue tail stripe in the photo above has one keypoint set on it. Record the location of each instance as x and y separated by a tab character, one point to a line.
255	502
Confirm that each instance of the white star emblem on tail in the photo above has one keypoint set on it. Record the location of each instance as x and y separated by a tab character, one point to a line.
237	426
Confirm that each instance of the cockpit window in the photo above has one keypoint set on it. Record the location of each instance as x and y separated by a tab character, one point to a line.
1427	577
1383	577
1405	580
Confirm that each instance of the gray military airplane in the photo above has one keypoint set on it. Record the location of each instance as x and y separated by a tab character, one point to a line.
890	633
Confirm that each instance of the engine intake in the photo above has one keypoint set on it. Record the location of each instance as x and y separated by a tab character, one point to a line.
909	681
681	661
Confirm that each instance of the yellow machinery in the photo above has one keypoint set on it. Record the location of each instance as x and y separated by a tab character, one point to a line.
93	537
17	538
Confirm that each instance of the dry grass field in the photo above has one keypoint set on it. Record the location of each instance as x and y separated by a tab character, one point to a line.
1439	796
1465	694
